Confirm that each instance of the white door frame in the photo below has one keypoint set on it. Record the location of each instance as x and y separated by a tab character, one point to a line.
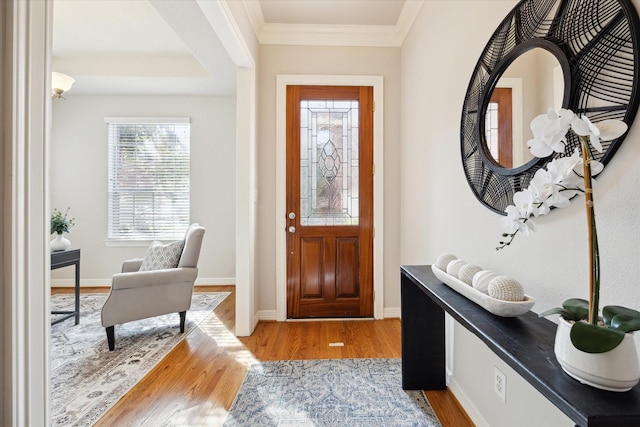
27	33
281	187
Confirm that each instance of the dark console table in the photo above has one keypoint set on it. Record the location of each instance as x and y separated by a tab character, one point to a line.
61	259
525	343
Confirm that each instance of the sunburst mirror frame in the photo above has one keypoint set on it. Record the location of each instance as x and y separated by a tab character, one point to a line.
596	44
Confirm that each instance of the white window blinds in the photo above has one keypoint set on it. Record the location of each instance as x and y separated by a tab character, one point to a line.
148	178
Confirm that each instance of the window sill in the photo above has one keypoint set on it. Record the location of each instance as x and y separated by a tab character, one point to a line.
127	243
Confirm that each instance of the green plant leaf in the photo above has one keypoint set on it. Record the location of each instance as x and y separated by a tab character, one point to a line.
631	317
594	339
556	310
576	304
572	309
625	323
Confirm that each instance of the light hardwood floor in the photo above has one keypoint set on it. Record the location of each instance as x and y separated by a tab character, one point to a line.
195	384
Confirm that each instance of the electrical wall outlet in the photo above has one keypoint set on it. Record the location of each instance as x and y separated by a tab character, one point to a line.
500	384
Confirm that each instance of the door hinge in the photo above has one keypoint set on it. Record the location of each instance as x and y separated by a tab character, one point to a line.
374	106
373	169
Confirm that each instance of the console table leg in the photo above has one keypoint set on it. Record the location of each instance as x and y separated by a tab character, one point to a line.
423	340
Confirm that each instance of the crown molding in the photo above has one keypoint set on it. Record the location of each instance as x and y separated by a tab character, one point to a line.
408	15
330	35
254	13
333	35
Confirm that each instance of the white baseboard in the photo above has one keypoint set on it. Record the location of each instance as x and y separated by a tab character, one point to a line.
70	283
467	404
392	313
270	315
216	281
266	315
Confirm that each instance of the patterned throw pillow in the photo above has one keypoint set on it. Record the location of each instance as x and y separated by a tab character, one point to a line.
161	256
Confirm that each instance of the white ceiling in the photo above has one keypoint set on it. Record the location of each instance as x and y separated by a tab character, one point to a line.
123	47
332	12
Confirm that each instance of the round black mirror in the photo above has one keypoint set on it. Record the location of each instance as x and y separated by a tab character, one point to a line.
596	46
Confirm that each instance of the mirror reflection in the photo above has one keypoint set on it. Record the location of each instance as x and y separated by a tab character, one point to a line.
531	84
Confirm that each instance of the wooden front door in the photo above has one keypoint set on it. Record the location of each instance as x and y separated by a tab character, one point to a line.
502	106
329	201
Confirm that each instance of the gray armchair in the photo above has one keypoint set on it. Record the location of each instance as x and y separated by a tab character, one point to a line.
139	294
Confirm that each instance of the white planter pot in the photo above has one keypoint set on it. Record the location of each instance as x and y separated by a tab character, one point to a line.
60	243
615	370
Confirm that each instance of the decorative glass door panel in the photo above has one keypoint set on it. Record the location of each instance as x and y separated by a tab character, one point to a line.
329	162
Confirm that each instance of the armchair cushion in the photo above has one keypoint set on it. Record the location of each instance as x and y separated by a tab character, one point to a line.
160	257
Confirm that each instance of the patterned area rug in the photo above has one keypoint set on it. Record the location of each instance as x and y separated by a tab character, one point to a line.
86	378
347	392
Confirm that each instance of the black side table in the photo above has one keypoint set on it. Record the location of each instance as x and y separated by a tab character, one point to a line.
61	259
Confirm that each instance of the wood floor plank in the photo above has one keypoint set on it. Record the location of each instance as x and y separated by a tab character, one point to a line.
195	384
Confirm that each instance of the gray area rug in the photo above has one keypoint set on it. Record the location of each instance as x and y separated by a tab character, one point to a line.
86	378
346	392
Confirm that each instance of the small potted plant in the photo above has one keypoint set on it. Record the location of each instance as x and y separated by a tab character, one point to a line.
599	351
60	223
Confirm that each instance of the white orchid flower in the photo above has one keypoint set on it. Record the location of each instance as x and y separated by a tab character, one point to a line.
543	188
525	201
515	222
605	130
562	179
584	127
518	214
611	129
563	167
548	186
596	167
550	132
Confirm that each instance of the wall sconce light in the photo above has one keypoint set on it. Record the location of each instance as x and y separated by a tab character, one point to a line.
60	83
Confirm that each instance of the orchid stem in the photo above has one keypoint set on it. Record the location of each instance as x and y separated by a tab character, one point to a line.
594	258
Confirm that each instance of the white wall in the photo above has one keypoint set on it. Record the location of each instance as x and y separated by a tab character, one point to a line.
79	178
441	214
277	60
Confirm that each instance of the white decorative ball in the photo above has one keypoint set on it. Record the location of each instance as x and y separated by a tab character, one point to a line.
454	266
481	280
506	289
444	260
467	272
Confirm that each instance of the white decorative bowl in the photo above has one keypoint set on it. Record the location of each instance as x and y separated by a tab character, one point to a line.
492	305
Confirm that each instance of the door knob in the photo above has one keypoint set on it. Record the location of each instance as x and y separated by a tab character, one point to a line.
292	215
292	229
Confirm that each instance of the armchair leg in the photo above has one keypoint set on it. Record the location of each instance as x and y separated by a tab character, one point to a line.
183	316
111	337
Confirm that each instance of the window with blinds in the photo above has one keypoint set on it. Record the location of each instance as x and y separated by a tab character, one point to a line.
148	178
